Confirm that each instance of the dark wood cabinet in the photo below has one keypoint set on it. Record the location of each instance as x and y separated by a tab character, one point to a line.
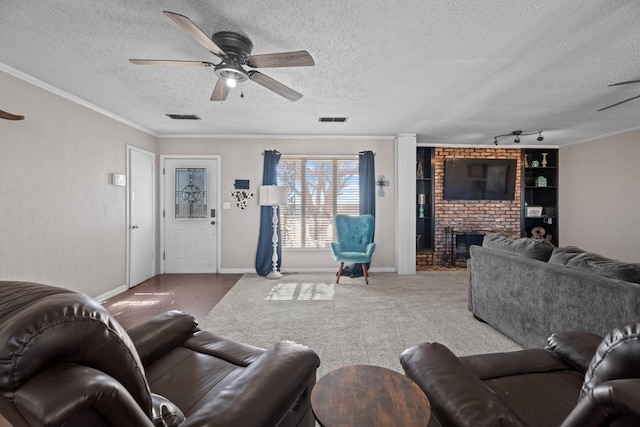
424	199
540	193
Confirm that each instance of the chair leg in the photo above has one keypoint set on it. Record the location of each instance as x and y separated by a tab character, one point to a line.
366	273
339	272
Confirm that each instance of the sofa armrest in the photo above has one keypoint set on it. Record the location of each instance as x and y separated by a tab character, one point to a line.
263	393
67	393
575	348
606	402
457	396
161	333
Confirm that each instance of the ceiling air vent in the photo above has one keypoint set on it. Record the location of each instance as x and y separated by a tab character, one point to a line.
333	119
183	116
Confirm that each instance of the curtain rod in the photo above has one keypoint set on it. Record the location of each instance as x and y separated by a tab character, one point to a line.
322	156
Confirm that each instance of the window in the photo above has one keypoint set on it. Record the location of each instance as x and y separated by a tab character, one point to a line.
317	190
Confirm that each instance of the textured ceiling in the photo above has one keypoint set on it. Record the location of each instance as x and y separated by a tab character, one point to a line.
451	71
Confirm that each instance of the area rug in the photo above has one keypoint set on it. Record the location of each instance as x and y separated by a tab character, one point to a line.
353	323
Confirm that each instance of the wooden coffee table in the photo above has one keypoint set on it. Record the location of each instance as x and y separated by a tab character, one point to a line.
363	395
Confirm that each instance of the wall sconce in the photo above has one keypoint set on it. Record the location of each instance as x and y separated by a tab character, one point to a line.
517	134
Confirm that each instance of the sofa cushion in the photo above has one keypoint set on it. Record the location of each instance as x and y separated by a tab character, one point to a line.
579	259
531	248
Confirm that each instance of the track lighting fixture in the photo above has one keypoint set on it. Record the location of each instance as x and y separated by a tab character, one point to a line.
517	134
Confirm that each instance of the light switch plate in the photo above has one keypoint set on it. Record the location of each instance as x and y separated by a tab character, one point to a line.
226	205
119	179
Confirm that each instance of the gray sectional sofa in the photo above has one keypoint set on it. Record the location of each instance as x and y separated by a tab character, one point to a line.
528	289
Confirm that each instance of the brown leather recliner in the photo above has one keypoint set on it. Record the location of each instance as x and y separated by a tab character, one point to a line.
64	360
578	380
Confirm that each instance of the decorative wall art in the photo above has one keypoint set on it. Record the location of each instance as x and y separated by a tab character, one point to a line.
381	183
241	197
241	194
191	193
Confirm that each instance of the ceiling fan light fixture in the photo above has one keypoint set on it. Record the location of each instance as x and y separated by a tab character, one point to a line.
231	82
233	72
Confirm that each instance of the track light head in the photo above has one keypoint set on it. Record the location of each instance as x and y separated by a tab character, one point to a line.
495	140
540	137
517	140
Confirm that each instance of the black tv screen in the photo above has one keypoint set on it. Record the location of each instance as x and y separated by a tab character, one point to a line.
479	179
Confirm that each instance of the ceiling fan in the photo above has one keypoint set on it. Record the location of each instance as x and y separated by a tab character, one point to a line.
9	116
626	100
234	51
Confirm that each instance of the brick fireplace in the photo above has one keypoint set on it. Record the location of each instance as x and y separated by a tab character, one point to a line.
471	217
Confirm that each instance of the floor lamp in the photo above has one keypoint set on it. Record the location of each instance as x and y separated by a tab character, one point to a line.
273	195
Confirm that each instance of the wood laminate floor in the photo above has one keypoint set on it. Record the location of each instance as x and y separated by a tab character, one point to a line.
194	293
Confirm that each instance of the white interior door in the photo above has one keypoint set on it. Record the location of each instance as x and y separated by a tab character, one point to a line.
141	224
190	221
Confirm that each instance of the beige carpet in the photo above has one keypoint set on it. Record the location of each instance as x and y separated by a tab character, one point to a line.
352	323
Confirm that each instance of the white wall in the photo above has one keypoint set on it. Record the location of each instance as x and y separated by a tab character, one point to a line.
61	221
241	158
599	196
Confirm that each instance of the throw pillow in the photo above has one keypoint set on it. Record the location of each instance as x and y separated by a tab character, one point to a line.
577	258
531	248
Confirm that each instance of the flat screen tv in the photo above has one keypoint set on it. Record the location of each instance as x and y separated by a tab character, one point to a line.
479	179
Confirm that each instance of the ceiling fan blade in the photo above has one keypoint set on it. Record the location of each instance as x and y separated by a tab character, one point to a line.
624	83
274	85
299	58
9	116
618	103
220	92
171	62
196	33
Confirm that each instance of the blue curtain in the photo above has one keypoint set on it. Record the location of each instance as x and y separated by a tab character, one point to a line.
265	246
367	182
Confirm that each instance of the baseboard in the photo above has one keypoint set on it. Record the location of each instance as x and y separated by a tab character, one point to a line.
304	270
335	269
237	270
112	293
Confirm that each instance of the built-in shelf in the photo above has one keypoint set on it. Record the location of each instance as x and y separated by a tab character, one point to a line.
424	186
545	196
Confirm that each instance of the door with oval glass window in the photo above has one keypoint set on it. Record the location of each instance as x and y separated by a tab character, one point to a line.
190	215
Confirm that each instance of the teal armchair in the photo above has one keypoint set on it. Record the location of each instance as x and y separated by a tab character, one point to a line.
355	241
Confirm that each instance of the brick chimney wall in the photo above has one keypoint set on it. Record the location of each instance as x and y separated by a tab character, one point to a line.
482	216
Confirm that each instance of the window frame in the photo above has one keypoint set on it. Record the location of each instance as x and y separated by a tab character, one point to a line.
302	242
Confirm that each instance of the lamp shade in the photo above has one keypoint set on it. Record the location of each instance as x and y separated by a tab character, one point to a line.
273	195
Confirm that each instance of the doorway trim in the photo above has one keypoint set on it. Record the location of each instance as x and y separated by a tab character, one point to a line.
129	149
216	157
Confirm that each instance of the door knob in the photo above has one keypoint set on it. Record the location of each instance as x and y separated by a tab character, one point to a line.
213	223
134	227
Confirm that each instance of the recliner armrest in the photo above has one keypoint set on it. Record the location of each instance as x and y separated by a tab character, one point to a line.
575	348
161	333
456	394
66	392
607	401
262	393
